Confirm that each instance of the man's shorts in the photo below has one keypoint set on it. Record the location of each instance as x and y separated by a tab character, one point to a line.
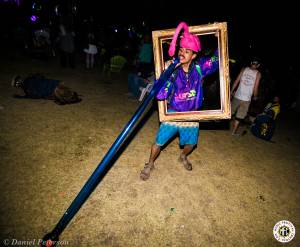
188	132
239	107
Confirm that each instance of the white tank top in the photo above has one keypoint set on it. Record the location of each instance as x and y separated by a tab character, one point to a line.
246	86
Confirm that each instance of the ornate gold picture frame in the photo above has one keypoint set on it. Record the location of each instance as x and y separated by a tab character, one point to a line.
216	91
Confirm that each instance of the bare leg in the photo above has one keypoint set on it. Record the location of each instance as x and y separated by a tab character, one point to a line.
236	124
183	156
92	61
187	149
87	61
155	151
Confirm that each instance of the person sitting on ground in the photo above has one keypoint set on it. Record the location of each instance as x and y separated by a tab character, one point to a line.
135	82
264	124
272	109
37	86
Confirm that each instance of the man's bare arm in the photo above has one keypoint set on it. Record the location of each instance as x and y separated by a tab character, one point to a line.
237	81
256	85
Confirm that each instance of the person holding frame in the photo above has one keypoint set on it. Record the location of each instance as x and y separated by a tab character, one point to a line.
183	92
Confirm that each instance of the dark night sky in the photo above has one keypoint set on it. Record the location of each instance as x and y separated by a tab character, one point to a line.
270	28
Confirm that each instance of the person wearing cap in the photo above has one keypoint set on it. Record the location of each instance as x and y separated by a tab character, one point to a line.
183	92
244	89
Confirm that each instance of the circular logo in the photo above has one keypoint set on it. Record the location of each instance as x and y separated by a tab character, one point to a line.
284	231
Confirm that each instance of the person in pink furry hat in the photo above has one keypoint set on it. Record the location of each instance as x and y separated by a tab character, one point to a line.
183	92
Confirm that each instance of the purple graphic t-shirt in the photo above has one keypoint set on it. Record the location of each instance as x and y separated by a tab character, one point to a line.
184	90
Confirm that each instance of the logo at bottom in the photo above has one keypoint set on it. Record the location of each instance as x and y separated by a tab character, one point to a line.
284	231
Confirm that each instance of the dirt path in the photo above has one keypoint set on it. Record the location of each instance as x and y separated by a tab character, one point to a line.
238	190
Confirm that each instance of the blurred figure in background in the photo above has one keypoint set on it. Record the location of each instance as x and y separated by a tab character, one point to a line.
145	57
66	46
90	50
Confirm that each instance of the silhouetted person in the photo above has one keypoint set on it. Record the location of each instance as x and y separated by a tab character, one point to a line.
90	50
66	46
145	57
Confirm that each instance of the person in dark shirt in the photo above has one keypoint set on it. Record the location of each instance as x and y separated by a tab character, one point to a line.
39	87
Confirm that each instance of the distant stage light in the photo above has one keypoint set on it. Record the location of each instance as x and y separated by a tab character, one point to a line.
33	18
36	6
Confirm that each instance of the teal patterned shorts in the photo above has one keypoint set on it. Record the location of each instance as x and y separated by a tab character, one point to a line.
188	132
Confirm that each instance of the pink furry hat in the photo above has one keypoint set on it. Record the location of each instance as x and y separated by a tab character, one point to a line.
188	40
